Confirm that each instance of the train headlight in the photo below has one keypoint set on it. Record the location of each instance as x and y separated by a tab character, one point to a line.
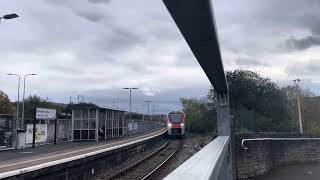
182	124
169	124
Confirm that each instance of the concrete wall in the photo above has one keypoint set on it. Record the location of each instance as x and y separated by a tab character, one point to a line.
261	156
82	169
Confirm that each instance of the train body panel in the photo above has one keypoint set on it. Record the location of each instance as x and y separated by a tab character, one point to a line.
176	123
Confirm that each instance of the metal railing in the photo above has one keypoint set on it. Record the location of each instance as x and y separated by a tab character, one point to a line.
211	162
274	139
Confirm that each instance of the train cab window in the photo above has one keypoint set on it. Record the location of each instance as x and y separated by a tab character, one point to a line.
176	118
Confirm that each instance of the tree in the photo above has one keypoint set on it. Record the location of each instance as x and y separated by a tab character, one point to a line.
5	104
36	101
257	103
308	105
200	116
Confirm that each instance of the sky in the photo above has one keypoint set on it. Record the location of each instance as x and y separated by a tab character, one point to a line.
94	48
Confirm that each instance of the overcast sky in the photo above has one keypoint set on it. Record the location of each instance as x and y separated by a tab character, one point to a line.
96	47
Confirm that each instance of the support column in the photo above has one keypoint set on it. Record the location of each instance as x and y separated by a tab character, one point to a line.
72	125
97	125
105	124
112	118
224	129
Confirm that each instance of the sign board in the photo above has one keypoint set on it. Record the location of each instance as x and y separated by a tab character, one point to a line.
130	126
43	113
41	133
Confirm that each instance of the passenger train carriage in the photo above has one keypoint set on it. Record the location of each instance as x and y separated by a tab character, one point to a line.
176	123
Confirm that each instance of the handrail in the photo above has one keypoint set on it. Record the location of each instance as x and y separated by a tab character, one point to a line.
206	164
275	139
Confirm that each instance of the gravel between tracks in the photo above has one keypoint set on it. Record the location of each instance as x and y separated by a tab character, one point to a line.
131	160
192	143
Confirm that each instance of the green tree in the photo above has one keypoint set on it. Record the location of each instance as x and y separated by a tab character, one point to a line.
257	103
5	104
306	105
200	116
36	101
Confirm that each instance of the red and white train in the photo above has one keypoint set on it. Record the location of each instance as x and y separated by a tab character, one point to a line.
176	123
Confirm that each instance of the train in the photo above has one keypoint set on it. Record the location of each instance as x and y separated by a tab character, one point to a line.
176	123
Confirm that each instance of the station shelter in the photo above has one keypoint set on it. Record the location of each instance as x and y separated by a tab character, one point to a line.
91	122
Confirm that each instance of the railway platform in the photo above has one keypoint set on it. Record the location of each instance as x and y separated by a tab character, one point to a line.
18	162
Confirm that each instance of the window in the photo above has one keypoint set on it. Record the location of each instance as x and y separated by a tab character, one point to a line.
84	124
77	124
92	124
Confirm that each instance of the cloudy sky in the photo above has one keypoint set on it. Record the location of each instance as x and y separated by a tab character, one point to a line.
95	48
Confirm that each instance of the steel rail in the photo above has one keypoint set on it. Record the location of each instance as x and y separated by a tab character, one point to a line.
124	170
165	161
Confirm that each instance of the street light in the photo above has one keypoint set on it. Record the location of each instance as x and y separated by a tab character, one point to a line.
130	89
148	102
24	92
12	74
9	16
297	81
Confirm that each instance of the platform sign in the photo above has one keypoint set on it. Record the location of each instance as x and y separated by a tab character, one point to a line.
41	133
43	113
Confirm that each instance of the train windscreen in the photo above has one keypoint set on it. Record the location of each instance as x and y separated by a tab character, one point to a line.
175	118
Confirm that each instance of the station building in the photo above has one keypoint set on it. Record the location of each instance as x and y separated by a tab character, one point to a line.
93	123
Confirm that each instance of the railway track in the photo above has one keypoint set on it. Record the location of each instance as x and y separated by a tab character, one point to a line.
146	167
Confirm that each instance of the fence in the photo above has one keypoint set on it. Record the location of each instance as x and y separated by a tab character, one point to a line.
137	127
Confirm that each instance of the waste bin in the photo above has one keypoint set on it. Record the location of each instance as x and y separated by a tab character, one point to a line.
21	143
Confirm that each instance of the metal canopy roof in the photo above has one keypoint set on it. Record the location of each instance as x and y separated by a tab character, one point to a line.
196	22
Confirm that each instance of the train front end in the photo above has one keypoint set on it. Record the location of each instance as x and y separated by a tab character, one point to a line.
176	123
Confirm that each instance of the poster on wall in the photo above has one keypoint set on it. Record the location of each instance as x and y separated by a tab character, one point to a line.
6	131
41	133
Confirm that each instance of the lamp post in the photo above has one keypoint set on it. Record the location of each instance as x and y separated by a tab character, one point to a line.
23	98
18	101
130	89
297	81
9	16
148	102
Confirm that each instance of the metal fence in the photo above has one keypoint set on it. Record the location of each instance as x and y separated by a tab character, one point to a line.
45	130
137	127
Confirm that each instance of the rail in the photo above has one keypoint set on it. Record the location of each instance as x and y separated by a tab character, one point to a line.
275	139
211	162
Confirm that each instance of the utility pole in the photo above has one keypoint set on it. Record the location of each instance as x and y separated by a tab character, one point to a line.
148	102
70	99
130	89
297	81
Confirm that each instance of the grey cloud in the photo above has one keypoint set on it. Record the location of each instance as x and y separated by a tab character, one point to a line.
309	68
303	43
118	39
90	16
250	61
99	1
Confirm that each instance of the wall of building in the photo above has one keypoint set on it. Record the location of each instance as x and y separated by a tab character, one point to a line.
261	156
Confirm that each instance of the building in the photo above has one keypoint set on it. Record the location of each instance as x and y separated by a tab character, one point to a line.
91	122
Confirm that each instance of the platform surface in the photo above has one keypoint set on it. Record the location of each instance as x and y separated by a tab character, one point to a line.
12	160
